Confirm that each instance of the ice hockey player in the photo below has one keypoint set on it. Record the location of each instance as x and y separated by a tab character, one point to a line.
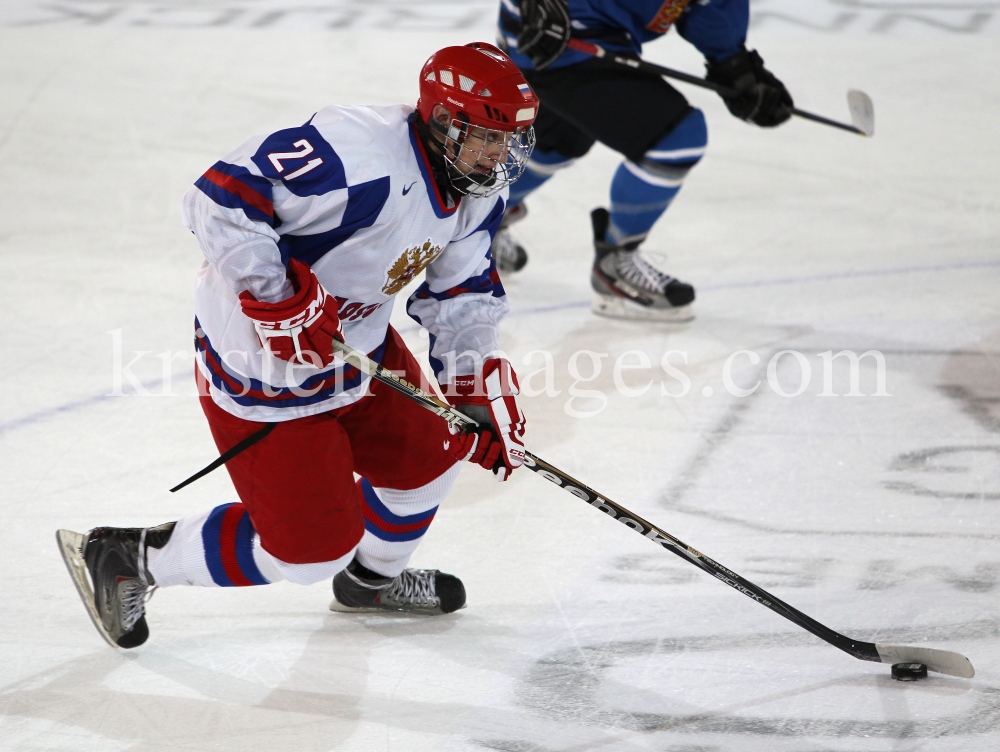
308	234
638	114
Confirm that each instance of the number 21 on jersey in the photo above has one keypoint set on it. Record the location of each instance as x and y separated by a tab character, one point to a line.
304	150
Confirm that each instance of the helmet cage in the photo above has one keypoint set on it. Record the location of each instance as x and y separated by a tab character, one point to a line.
483	161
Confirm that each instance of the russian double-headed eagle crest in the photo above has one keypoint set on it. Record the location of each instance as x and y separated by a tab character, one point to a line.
409	265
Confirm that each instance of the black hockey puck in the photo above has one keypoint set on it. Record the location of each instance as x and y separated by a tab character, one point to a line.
909	671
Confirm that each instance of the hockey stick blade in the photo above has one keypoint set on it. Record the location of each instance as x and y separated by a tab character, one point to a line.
862	111
863	126
941	661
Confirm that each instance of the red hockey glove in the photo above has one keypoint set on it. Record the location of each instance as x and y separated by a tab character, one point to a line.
302	328
496	443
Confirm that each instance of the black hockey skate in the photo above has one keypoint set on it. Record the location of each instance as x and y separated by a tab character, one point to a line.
415	591
119	583
508	253
627	286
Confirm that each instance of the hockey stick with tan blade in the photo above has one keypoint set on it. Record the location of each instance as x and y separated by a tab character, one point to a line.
941	661
858	103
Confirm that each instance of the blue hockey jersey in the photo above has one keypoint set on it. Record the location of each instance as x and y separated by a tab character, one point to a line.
717	28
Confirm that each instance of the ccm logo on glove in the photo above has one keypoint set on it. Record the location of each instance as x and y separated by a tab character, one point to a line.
302	328
490	399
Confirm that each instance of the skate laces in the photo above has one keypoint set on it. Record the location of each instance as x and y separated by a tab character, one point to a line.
137	592
635	268
133	602
414	586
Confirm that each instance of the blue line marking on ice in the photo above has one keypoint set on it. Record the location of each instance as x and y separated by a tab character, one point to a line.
71	406
854	275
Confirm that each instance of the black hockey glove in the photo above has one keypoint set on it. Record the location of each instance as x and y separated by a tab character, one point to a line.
544	30
760	97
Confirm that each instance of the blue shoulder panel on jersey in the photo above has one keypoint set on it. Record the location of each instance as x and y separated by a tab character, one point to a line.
235	187
303	160
364	204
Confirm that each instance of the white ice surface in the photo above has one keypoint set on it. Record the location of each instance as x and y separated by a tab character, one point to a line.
878	516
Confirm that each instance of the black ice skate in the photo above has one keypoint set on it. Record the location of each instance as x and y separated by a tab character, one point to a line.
628	286
119	583
415	591
508	253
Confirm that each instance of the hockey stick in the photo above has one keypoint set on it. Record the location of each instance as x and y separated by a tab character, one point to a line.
859	103
248	442
941	661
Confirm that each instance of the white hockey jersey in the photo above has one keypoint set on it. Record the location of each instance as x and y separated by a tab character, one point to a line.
351	194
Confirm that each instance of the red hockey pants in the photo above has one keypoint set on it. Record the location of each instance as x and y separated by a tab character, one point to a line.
297	483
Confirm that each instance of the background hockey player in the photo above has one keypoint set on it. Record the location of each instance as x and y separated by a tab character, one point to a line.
309	234
586	99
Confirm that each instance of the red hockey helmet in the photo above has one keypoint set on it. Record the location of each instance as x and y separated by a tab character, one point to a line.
480	82
481	88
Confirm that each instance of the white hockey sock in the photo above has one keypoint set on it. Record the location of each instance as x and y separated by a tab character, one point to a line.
220	548
395	521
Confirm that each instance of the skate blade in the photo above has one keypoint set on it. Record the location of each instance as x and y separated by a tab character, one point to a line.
614	307
336	605
339	607
71	548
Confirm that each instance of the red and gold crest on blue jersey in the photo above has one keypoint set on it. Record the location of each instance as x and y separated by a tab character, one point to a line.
409	265
669	12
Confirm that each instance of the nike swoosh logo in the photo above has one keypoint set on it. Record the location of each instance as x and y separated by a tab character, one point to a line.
407	188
